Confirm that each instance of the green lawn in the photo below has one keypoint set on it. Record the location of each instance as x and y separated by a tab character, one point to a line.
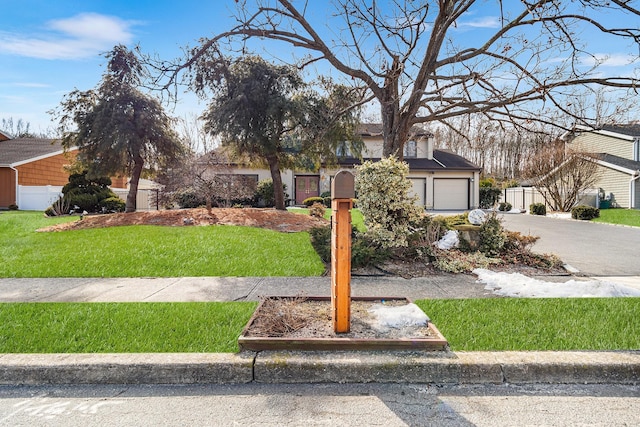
139	251
493	324
505	324
122	327
620	216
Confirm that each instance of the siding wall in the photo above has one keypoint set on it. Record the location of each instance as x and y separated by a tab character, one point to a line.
7	187
596	143
47	171
612	181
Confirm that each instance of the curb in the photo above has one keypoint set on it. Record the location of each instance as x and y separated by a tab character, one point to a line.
323	367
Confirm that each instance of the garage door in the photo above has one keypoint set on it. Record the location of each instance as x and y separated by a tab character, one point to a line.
450	194
417	189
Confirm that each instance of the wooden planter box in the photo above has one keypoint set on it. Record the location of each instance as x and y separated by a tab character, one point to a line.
434	341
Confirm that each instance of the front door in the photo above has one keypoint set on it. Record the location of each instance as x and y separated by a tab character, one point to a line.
306	186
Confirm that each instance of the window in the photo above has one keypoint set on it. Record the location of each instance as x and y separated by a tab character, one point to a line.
410	149
342	150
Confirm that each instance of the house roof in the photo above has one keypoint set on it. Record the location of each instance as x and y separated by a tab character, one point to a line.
375	129
630	129
4	135
442	160
630	166
15	152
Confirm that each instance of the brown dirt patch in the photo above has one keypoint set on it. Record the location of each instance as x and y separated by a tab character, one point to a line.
306	318
271	219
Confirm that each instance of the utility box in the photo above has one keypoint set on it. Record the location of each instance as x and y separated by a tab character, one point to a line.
343	185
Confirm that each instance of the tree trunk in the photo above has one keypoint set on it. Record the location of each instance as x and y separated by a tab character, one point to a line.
395	126
278	192
133	184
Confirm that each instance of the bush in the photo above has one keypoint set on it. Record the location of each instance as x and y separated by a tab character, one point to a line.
537	209
13	207
364	251
189	199
489	196
311	200
584	212
82	193
317	210
264	193
492	236
383	197
112	204
327	202
504	207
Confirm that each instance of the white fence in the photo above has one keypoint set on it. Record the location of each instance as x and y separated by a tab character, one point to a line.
146	200
523	197
40	197
37	198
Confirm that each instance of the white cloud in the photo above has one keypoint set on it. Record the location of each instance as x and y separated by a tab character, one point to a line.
80	36
610	60
482	22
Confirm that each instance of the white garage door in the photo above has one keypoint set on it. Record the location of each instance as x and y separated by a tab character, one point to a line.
417	188
450	194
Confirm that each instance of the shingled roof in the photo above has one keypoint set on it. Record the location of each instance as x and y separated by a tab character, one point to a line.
631	129
442	160
15	152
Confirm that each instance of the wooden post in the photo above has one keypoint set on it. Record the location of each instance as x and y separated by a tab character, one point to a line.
342	190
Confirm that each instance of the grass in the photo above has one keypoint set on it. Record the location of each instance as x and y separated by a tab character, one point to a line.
510	324
492	324
356	216
157	251
620	216
122	327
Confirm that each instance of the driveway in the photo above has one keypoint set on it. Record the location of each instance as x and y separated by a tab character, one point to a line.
597	250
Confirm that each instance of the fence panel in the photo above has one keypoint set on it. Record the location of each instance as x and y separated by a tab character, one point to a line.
146	200
37	197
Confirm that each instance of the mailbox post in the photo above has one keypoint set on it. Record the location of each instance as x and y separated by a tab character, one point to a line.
342	193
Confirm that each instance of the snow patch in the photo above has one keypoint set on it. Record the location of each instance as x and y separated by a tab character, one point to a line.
397	316
519	285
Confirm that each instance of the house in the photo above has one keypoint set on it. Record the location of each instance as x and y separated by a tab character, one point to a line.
31	171
441	179
617	150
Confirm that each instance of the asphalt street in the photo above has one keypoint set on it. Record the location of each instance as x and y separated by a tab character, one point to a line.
594	249
321	404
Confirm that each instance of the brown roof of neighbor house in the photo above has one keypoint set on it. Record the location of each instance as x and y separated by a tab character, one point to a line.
629	129
375	129
14	152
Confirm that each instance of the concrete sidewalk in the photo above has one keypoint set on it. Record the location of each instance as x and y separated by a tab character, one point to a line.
181	289
293	367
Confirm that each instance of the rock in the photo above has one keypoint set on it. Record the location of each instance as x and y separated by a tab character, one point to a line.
477	217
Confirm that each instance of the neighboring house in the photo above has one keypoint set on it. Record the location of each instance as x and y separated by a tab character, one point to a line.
441	180
617	148
31	171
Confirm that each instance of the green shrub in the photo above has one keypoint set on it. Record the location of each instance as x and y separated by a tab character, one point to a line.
383	198
452	221
537	209
12	207
504	207
492	236
83	202
82	193
264	193
584	212
189	199
112	204
489	196
327	202
325	194
364	251
311	200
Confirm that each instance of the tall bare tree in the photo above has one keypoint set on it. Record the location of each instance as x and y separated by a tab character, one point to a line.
563	174
409	56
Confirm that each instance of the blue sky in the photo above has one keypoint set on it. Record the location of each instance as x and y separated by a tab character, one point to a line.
48	48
